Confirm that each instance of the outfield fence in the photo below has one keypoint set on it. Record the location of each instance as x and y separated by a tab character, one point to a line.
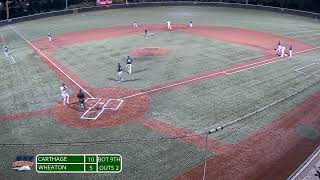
157	156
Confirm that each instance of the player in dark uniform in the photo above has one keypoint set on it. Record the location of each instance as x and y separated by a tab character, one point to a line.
119	72
278	47
6	51
129	64
81	98
145	32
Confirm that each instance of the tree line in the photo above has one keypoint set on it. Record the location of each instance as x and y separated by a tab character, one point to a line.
19	8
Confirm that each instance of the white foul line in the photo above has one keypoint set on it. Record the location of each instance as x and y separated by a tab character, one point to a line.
271	61
305	164
51	61
298	70
261	109
13	59
172	85
221	72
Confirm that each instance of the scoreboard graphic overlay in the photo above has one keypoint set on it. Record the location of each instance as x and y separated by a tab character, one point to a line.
79	163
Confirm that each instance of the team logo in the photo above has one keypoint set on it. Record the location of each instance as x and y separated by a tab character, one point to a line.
23	163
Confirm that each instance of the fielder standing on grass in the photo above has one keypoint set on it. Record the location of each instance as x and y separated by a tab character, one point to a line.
6	51
81	98
119	73
49	37
64	94
190	23
129	64
135	25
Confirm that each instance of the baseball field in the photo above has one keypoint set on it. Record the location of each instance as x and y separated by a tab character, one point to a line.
221	76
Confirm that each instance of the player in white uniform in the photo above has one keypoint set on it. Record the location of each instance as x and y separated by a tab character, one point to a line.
64	94
135	25
190	23
290	50
6	51
282	49
169	25
49	37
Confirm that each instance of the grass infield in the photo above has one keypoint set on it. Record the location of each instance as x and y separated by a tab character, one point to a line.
96	62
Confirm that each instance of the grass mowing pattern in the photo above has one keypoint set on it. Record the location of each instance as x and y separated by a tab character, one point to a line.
96	62
216	102
156	159
301	28
296	27
27	85
293	26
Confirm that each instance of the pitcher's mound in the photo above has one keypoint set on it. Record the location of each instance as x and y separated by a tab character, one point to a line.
149	51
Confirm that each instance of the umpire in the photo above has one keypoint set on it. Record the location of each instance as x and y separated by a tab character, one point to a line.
81	98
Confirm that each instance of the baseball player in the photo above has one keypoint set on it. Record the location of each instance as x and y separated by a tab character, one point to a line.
64	94
49	37
145	32
278	47
6	51
169	25
290	50
81	98
129	64
119	72
135	25
282	50
190	23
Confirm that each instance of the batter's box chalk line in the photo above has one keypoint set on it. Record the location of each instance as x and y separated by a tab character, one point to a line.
113	104
95	111
92	102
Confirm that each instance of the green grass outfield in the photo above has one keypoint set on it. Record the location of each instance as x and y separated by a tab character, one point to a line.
96	62
30	85
296	27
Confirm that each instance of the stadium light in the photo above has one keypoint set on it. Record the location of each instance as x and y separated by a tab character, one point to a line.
7	9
